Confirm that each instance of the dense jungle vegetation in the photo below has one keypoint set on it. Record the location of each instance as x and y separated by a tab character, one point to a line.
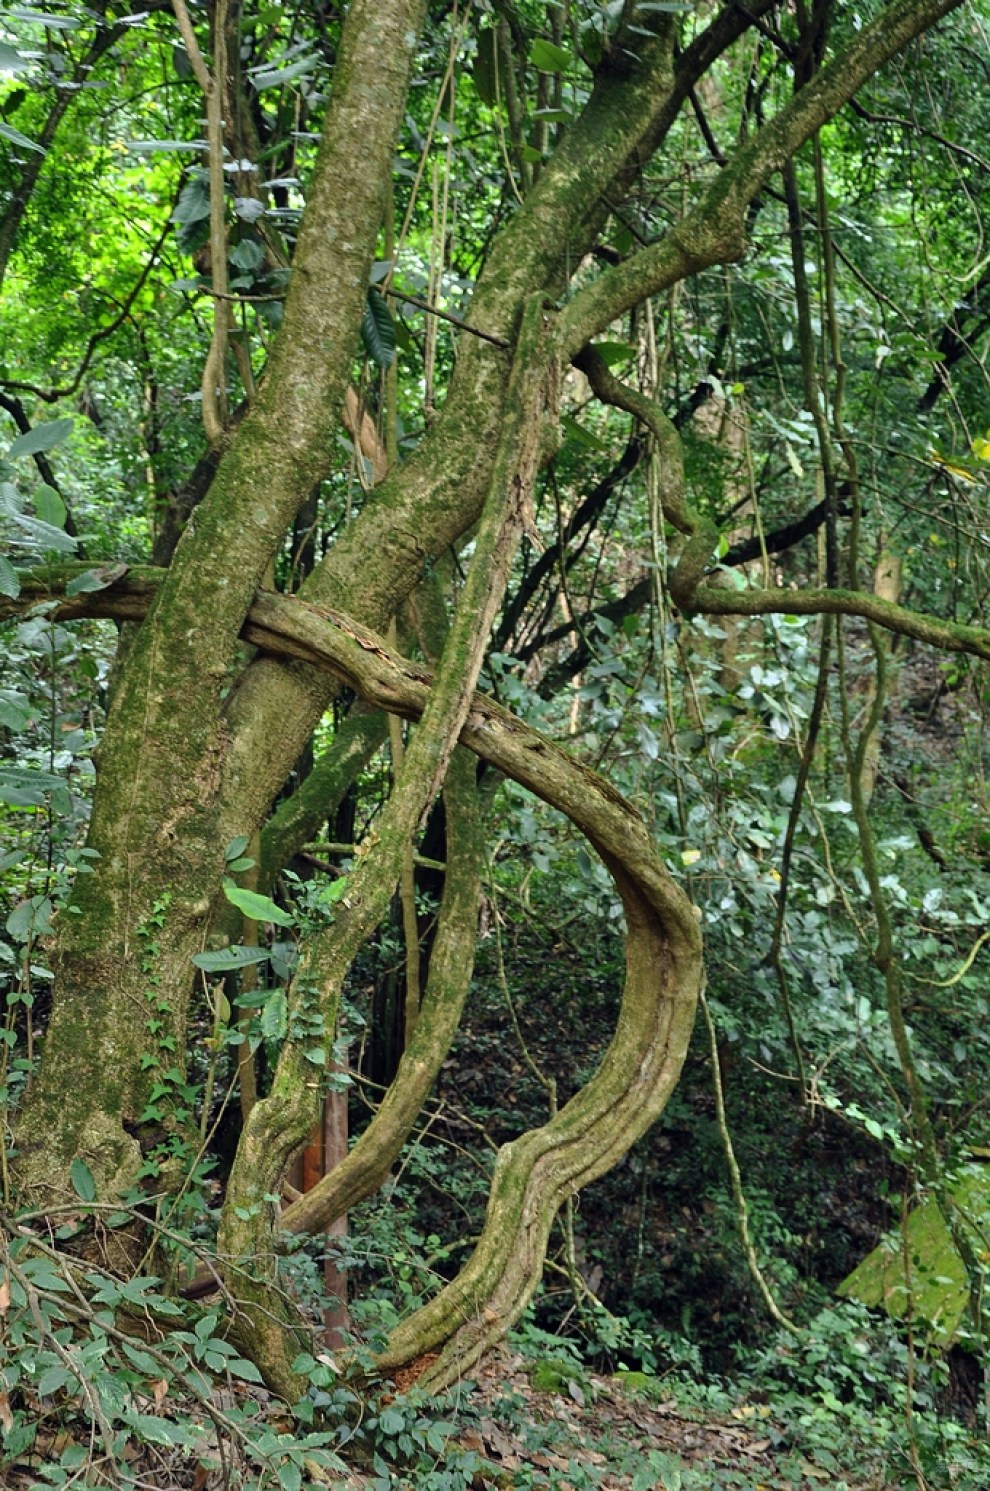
494	727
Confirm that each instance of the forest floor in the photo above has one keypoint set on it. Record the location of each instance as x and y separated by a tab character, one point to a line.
588	1433
593	1430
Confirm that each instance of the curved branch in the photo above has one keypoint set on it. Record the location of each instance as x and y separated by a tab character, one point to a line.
365	1167
714	231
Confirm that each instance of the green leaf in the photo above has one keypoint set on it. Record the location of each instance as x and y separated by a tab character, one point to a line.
96	579
15	710
145	147
9	583
548	57
256	907
289	1476
44	536
141	1360
241	1367
377	330
316	1055
16	138
247	255
227	958
160	1431
582	436
271	77
82	1180
275	1016
55	1377
49	507
235	848
11	60
614	353
42	437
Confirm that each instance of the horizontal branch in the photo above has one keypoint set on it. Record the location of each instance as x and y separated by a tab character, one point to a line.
950	636
285	626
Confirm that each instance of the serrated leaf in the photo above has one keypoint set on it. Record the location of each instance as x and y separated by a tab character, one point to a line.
548	57
227	958
377	330
42	437
289	1476
82	1180
256	907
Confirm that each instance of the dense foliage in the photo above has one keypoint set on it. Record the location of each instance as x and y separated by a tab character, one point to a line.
617	361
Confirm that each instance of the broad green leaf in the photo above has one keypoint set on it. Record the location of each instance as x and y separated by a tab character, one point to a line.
82	1180
256	907
548	57
275	1016
614	353
44	18
16	138
9	583
44	536
160	1431
145	147
236	847
578	432
247	255
273	77
49	507
316	1055
193	205
53	1379
377	330
227	958
15	710
11	59
42	437
96	579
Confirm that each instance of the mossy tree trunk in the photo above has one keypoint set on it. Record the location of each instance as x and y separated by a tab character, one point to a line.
189	761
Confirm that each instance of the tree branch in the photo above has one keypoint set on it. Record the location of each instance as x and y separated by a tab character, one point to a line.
714	231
